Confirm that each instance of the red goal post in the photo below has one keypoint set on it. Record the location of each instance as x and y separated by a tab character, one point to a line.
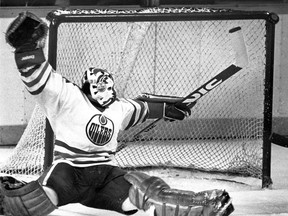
171	51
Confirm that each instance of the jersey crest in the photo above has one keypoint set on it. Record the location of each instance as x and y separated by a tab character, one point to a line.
100	130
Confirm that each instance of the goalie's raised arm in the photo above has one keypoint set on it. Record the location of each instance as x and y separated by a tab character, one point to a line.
27	35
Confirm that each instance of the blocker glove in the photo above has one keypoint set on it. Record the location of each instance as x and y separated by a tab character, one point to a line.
177	111
27	35
167	107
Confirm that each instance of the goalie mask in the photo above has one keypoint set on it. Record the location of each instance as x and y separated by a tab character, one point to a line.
98	85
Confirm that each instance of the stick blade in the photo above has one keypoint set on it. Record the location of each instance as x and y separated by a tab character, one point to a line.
239	46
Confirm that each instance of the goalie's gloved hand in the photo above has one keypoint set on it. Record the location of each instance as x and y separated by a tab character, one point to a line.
176	111
27	34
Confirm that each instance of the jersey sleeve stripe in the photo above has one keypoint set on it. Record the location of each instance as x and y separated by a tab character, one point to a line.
36	85
132	120
139	114
37	79
40	89
34	73
143	112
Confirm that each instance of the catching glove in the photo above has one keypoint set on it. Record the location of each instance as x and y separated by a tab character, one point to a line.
27	35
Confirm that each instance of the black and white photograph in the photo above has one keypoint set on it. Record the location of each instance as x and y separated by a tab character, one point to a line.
144	107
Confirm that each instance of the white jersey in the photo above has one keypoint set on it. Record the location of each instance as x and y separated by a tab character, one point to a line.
85	135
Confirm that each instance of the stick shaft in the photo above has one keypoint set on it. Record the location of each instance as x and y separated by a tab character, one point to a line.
211	84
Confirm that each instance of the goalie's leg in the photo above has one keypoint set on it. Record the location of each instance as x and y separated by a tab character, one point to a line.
20	199
147	191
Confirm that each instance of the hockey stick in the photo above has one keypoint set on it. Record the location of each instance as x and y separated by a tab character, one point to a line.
198	93
241	56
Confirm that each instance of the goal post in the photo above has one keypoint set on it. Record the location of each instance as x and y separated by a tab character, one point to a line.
172	51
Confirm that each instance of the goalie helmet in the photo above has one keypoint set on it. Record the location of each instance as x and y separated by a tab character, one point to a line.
98	85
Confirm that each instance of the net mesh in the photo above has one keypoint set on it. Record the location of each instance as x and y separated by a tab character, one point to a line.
27	157
224	132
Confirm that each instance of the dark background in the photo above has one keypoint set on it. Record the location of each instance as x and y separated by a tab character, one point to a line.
11	3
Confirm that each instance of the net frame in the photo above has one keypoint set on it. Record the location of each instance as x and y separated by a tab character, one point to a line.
179	14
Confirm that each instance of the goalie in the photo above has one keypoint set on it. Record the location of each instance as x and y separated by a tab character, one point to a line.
86	121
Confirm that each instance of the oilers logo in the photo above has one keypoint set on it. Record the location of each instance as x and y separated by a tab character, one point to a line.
99	130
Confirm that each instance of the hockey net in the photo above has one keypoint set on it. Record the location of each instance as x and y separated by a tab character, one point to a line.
170	52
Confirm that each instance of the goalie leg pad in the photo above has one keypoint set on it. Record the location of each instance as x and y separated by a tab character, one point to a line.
147	190
29	200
